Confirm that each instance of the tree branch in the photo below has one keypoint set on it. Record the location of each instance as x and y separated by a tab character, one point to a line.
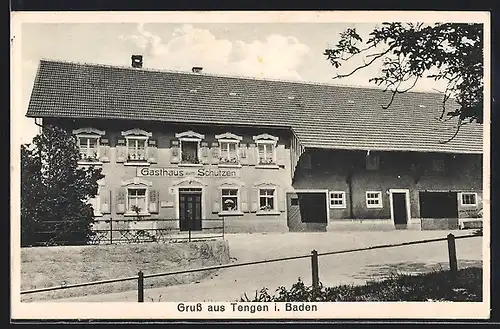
459	125
362	66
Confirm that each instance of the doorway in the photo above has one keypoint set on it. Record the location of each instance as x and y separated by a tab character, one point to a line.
438	204
400	207
190	209
307	211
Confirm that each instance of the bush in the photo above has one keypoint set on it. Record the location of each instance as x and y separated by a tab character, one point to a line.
435	286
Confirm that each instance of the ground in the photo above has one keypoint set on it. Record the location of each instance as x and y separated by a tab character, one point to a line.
352	268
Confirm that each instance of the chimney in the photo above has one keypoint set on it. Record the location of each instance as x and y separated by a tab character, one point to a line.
137	61
197	69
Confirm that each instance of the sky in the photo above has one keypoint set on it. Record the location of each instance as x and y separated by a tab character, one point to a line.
290	51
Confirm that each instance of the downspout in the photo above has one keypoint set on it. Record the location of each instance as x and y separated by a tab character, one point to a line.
349	186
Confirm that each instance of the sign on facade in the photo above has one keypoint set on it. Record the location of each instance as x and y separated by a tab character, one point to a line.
187	172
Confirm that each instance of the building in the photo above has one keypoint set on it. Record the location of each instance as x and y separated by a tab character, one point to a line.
267	155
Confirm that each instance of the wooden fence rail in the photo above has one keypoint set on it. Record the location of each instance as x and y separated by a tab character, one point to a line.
313	256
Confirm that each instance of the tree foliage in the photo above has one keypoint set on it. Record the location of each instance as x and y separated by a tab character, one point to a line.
449	52
54	191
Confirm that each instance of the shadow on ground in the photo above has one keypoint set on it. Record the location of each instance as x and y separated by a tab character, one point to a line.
382	271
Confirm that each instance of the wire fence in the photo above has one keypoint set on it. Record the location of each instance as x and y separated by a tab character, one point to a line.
314	256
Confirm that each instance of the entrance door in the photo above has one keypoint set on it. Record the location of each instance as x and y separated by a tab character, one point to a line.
190	209
399	210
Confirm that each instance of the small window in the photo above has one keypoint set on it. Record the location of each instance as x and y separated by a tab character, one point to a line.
89	148
468	200
266	153
373	199
266	147
229	199
337	199
294	201
89	141
228	152
189	152
136	149
136	144
267	199
372	162
136	200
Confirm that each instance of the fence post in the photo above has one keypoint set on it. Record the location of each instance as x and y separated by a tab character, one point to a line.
111	231
140	287
189	235
223	228
452	252
314	269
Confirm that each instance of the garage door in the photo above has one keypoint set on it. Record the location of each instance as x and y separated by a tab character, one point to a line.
438	205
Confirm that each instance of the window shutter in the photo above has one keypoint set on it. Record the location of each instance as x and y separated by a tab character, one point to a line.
105	201
252	154
104	149
243	154
121	150
244	200
281	199
254	199
175	152
214	153
121	194
216	206
153	201
152	151
280	155
204	152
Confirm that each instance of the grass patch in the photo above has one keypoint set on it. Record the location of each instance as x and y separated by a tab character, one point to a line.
55	266
434	286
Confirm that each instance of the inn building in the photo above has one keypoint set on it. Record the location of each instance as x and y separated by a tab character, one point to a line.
267	155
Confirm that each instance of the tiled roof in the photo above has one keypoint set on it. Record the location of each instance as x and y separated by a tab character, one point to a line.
321	115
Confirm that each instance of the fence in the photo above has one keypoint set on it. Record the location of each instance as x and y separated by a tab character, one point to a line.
114	231
314	256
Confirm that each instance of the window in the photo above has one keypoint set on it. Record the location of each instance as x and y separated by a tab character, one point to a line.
189	152
267	199
229	199
372	162
136	144
266	153
229	145
229	152
136	149
373	199
136	200
468	199
337	199
88	143
190	146
89	148
96	200
266	147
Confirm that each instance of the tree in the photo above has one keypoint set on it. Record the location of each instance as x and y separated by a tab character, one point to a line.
449	52
54	191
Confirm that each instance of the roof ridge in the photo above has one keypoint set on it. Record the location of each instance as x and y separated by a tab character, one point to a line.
316	83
